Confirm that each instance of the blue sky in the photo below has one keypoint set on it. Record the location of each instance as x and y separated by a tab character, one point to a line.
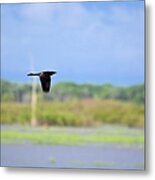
95	42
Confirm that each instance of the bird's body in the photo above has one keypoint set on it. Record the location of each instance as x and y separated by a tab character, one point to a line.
44	78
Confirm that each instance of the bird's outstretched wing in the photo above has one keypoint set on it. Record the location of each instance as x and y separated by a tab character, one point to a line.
45	83
49	73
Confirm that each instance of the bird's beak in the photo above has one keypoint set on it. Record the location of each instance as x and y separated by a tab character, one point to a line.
33	74
30	74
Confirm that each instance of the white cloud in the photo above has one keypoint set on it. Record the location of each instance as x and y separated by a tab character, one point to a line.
75	36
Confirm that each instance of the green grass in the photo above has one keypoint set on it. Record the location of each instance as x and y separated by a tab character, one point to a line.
77	113
52	160
104	164
138	166
66	136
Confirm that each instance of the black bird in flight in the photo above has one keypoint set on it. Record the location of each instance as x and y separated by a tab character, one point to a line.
45	78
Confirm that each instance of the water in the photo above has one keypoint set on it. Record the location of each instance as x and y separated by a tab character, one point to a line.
98	155
102	156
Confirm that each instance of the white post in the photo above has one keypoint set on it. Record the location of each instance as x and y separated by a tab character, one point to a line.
33	96
33	103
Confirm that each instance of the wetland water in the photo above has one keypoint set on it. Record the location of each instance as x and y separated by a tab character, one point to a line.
88	155
77	156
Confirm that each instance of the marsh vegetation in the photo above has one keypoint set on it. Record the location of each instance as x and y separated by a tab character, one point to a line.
88	126
75	105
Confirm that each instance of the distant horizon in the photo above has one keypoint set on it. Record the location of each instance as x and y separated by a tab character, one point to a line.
77	83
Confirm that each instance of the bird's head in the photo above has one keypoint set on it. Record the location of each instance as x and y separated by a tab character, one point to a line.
33	74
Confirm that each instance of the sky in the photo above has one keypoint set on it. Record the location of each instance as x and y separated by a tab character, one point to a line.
85	42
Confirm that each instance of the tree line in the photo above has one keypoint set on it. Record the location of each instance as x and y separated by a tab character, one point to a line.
68	90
